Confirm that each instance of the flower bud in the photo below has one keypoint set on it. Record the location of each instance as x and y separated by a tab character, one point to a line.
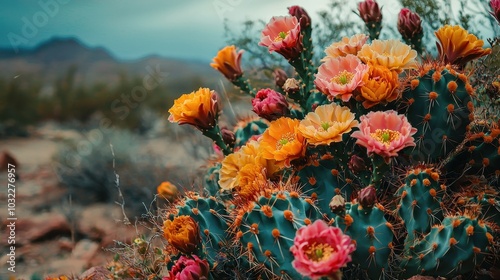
228	137
301	15
189	269
270	105
280	77
168	191
291	86
356	164
369	11
495	7
367	197
409	24
337	204
183	233
228	62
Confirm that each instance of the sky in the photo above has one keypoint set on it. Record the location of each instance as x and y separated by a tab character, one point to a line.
130	29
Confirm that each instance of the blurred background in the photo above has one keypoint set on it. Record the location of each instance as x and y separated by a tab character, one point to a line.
85	87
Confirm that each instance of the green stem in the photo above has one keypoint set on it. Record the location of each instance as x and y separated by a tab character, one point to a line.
244	85
380	167
216	135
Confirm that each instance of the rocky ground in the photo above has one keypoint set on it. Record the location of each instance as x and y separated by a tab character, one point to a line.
53	235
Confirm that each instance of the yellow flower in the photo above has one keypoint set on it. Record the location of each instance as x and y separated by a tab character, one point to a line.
228	62
456	46
198	108
391	54
327	124
231	166
167	191
282	142
346	46
183	233
381	86
252	180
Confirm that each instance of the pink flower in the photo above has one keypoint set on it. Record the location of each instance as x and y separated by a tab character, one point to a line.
369	11
409	24
385	133
269	104
189	269
320	250
495	6
339	77
282	35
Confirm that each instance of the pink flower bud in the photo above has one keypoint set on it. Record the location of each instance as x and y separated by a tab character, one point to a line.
495	6
189	269
301	15
269	104
369	11
409	24
280	77
367	197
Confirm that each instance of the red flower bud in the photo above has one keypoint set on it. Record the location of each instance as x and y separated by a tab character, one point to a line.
189	269
356	164
409	24
280	77
367	197
270	105
369	11
228	137
495	6
301	15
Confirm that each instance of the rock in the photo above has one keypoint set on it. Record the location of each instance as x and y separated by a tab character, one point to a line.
32	228
5	159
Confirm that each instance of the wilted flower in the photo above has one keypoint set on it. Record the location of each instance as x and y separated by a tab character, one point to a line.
186	268
337	204
183	233
391	54
380	86
369	11
228	62
280	77
384	133
367	197
282	142
339	77
198	108
327	124
321	251
346	46
282	35
270	105
409	24
456	46
291	86
167	191
495	6
301	15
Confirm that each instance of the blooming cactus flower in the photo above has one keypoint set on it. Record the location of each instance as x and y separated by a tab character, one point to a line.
346	46
409	24
228	62
339	77
457	46
269	104
183	233
392	54
495	6
189	269
198	108
282	35
369	11
282	142
384	133
321	251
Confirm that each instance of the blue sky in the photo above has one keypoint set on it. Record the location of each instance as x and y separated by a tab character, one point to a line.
131	29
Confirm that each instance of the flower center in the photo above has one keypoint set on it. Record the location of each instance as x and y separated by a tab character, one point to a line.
287	138
386	136
325	125
281	36
343	78
319	252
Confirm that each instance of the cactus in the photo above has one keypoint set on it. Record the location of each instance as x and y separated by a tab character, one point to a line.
438	103
267	228
248	128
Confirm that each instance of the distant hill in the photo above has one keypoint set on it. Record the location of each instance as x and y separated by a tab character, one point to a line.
51	60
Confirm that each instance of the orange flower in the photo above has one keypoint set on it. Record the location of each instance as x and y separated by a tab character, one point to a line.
198	108
183	233
282	142
167	191
391	54
346	46
327	124
381	86
456	46
228	62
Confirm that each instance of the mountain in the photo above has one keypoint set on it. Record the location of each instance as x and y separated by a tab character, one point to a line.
51	59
